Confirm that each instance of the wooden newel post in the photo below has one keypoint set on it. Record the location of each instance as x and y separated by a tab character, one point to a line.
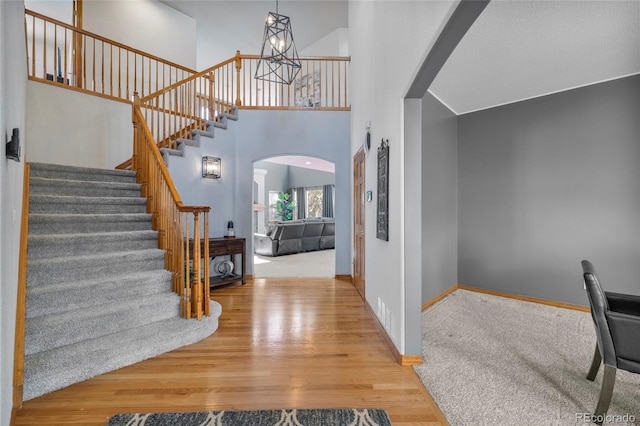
238	67
186	296
205	257
196	282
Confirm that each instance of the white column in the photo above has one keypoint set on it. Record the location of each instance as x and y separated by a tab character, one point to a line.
259	178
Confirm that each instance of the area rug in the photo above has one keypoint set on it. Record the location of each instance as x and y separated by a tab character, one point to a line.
292	417
489	360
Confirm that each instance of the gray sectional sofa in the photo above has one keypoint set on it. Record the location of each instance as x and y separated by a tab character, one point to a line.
296	236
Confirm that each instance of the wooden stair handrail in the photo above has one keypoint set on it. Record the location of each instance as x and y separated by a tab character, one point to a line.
169	217
165	172
106	40
21	304
186	80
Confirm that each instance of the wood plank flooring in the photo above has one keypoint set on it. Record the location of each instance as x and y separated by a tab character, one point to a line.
281	343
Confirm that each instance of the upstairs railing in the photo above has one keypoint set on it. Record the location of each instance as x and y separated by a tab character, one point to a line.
322	84
63	54
193	103
178	226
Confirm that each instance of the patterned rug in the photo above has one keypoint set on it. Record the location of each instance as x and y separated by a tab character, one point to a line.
335	417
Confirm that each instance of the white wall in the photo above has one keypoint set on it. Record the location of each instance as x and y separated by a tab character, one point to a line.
146	25
388	41
89	131
13	80
239	25
336	43
62	10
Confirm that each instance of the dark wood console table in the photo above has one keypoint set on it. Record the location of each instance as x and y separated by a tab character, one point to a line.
228	247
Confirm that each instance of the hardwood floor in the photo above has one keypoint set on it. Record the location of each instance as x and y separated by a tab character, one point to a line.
281	343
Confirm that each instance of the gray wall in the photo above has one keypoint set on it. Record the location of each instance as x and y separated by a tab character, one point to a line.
546	183
439	198
277	177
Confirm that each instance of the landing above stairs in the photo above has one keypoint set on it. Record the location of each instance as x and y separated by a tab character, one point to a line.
98	296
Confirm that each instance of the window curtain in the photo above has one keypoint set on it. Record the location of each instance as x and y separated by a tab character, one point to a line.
301	202
327	200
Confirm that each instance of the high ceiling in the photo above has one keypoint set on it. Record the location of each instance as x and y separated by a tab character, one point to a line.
522	49
224	26
517	49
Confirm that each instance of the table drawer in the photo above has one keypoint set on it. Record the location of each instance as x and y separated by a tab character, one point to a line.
225	247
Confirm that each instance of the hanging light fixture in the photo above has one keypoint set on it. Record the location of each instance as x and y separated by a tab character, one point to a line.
279	61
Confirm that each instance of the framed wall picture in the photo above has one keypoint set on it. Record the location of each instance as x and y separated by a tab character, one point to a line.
307	89
382	225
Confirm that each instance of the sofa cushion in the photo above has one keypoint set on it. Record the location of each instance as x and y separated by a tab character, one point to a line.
311	235
290	231
270	230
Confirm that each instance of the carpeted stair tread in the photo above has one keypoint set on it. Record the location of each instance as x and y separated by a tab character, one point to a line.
45	203
51	331
123	217
55	298
206	133
83	187
62	245
196	134
52	270
42	223
57	171
61	367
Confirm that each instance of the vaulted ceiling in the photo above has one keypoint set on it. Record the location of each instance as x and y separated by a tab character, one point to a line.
522	49
517	49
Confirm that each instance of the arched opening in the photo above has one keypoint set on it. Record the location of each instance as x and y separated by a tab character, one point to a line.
293	217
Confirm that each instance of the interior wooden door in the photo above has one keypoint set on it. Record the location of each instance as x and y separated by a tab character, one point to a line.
358	221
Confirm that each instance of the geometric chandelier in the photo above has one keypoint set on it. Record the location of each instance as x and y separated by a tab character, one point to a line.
279	61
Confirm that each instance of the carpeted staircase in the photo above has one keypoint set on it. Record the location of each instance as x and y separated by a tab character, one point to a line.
98	296
194	138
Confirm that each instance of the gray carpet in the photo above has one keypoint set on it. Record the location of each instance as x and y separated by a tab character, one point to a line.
293	417
490	360
98	296
313	264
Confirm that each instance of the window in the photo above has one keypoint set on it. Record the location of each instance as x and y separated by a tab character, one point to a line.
314	202
273	200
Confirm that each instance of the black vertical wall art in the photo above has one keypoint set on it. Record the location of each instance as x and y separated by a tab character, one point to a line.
382	226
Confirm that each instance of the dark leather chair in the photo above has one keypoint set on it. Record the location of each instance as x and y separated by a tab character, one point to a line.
616	318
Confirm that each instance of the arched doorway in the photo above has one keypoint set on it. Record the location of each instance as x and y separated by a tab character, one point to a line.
296	239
